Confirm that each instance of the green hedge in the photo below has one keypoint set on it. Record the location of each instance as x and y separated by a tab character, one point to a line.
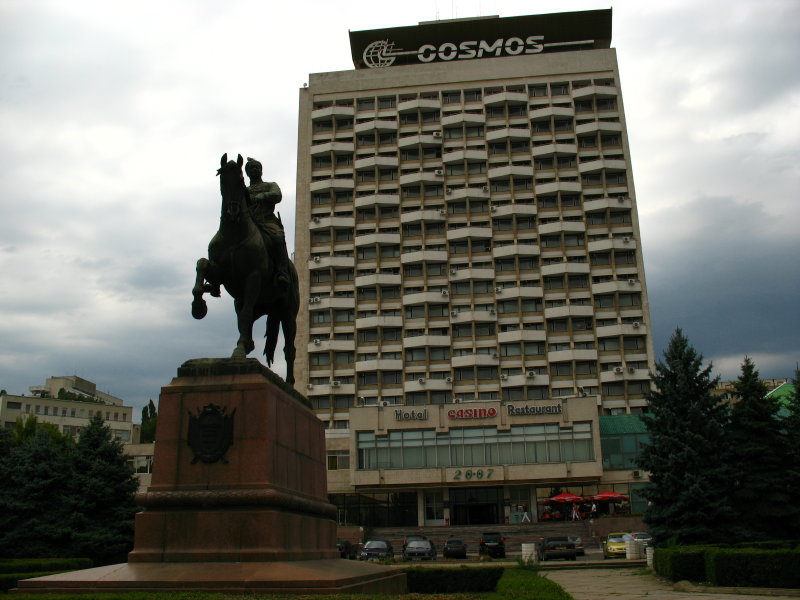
36	565
753	568
453	581
679	563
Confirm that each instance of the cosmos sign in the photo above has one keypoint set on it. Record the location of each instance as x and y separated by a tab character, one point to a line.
383	53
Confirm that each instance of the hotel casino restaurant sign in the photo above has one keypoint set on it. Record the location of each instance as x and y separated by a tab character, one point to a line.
471	39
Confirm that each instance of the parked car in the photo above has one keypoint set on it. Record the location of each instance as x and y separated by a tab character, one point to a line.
492	544
557	547
642	536
614	544
580	548
454	549
420	549
376	549
412	538
346	549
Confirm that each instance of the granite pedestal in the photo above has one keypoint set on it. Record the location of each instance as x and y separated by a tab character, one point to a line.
244	506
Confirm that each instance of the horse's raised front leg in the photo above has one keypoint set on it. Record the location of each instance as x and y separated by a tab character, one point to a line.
245	311
199	306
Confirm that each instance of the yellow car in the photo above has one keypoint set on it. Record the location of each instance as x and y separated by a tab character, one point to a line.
614	544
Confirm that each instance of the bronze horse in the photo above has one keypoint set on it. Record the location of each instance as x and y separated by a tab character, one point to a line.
238	258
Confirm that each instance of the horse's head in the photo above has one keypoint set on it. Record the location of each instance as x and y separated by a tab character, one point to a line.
232	187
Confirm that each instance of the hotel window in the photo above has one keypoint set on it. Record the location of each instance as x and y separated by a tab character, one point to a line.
630	300
608	344
338	460
534	348
451	97
558	89
366	103
501	185
538	91
430	116
367	335
387	102
473	95
614	389
474	132
633	343
556	325
320	359
585	367
409	119
439	353
415	354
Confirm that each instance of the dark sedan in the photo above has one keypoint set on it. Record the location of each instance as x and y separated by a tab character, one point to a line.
420	549
454	549
492	544
376	549
558	547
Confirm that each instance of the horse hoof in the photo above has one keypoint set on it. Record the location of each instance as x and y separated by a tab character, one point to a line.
239	353
199	308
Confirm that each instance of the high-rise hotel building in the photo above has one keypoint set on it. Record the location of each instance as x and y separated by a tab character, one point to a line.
474	301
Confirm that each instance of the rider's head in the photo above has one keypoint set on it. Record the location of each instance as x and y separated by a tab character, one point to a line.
253	168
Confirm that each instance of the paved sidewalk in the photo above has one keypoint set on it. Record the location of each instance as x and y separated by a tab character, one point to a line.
632	584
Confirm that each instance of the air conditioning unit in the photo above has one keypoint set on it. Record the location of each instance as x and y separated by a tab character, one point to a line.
503	376
316	259
421	380
620	199
336	383
498	289
442	212
626	240
492	311
309	386
485	189
315	299
311	300
453	271
637	474
384	403
618	369
449	380
449	190
495	355
438	172
436	134
493	208
530	374
315	219
453	313
631	282
456	400
631	369
317	341
445	292
636	324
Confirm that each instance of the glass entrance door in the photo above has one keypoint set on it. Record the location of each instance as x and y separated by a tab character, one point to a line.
476	506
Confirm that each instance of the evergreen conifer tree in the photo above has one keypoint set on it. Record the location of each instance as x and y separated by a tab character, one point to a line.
103	521
149	421
687	453
758	444
791	426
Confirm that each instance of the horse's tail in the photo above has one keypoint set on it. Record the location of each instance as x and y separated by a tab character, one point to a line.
273	325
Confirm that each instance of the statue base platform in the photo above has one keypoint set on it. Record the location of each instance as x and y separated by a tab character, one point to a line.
238	496
293	577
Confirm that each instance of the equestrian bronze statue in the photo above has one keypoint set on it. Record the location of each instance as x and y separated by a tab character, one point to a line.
248	256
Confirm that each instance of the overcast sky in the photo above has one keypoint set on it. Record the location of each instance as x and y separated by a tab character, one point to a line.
113	117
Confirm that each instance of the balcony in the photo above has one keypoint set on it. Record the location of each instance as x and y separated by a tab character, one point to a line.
423	341
557	149
565	355
475	360
505	171
332	111
436	297
608	202
317	389
501	97
323	344
559	226
471	274
469	232
432	176
522	335
378	279
419	256
377	200
335	184
568	310
421	139
325	262
595	166
598	91
557	186
615	243
636	328
380	364
466	193
552	111
328	147
508	133
468	118
322	302
379	321
481	316
618	285
319	222
515	250
370	239
515	208
418	216
462	155
418	103
528	291
376	161
423	383
380	125
598	127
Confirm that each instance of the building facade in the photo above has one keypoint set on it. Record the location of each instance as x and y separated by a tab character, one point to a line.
473	289
69	402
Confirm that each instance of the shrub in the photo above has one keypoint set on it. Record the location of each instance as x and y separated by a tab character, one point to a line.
32	565
453	581
683	562
754	568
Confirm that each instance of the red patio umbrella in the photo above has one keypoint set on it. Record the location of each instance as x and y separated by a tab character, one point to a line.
566	497
610	497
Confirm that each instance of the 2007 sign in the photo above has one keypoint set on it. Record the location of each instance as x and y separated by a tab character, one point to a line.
468	474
